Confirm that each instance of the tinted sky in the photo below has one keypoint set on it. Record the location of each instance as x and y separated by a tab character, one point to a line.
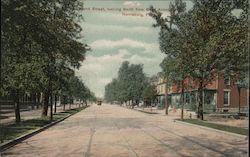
115	37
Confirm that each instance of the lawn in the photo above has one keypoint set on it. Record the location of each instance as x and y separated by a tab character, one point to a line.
148	112
13	131
227	128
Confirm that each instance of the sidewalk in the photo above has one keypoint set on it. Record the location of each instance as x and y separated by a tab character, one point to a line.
171	113
242	123
31	114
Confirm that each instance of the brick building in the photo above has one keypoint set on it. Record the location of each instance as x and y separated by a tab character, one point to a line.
220	95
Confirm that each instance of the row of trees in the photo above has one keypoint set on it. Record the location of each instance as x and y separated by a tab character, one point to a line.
40	49
129	86
77	90
208	40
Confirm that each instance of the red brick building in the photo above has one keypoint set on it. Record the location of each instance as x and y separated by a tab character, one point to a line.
220	95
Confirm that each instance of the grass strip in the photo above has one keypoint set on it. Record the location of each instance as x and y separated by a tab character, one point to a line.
12	131
147	112
232	129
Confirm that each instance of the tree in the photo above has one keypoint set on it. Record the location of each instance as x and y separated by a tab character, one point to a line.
124	82
36	36
174	73
149	94
128	86
21	62
78	91
111	91
171	40
203	34
59	40
137	83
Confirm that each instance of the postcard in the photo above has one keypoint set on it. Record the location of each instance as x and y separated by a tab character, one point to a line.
124	78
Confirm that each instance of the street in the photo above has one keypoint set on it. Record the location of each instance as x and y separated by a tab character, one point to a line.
114	131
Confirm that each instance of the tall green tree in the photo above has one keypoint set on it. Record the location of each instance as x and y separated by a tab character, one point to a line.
175	74
137	83
111	91
20	54
128	86
149	94
36	36
124	82
204	32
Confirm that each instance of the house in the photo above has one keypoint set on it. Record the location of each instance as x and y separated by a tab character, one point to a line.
161	90
220	95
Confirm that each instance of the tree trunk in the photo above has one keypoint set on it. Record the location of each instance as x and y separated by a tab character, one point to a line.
151	106
23	100
51	106
35	101
45	104
143	106
26	101
182	99
239	98
17	107
55	104
200	101
137	102
182	106
39	100
166	99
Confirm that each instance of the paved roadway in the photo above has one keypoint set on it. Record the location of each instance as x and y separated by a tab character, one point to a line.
113	131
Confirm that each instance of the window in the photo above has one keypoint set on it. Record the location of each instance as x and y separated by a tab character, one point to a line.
187	98
209	97
226	98
193	97
227	80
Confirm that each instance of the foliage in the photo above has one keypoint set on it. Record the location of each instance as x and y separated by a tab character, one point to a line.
111	91
41	47
129	85
77	90
205	39
150	93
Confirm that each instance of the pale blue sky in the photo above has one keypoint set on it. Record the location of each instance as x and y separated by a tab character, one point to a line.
115	38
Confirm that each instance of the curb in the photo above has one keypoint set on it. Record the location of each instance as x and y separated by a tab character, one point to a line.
134	109
17	140
146	111
212	129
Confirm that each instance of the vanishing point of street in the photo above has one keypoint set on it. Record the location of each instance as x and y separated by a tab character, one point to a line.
114	131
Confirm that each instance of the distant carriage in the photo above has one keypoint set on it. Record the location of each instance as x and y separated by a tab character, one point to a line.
99	102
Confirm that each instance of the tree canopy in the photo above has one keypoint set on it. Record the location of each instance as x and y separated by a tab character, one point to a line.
128	86
150	93
205	40
40	46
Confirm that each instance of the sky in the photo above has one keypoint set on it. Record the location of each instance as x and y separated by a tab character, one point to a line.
116	36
